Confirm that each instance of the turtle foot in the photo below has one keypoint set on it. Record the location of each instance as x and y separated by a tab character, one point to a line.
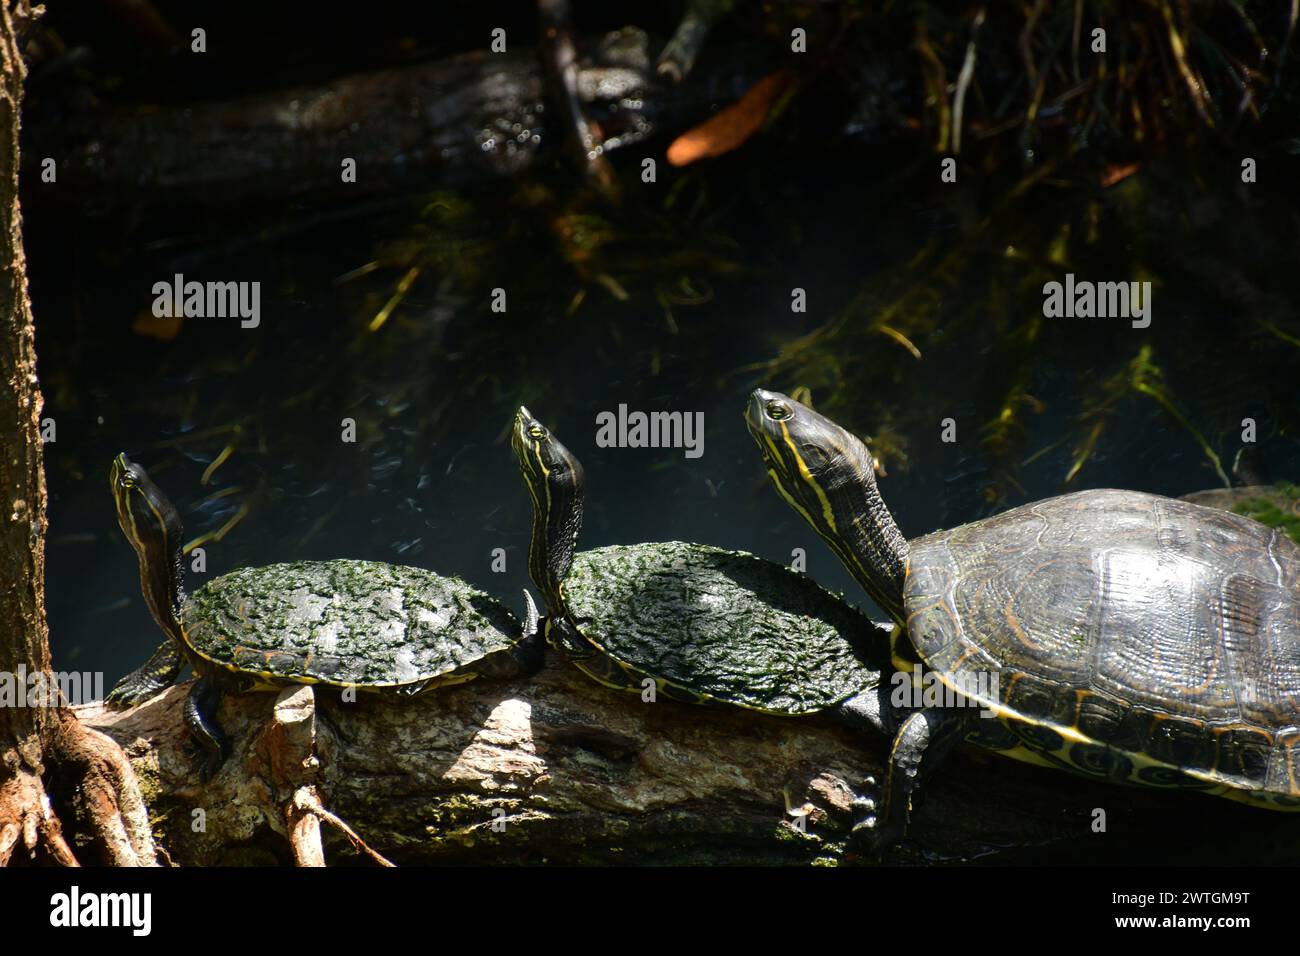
211	761
871	835
149	679
124	695
201	719
872	841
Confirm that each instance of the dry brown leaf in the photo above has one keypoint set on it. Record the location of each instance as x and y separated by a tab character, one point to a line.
732	126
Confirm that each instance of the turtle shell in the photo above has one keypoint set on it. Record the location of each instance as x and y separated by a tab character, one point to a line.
357	623
723	625
1132	636
1277	506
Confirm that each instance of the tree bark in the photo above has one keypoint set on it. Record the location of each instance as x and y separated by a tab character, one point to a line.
40	739
557	769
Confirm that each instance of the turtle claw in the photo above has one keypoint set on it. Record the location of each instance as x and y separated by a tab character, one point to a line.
868	839
149	679
866	828
209	764
120	698
865	796
868	836
210	760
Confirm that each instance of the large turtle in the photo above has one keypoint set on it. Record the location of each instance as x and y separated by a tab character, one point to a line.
699	624
347	624
1121	635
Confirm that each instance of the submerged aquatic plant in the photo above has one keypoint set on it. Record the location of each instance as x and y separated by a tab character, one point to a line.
1140	376
1133	72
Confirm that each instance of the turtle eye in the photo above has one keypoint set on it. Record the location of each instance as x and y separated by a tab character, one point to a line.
778	411
536	431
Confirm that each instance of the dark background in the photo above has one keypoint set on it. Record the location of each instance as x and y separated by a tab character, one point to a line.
860	222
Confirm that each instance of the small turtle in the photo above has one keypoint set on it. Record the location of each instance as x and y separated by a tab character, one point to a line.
1131	637
356	624
701	624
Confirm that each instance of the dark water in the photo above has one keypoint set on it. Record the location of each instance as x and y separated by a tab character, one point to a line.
708	257
431	480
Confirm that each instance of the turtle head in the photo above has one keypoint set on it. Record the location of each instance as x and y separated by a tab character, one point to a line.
153	526
804	451
826	474
556	483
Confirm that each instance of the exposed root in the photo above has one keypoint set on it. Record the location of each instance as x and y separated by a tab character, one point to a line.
306	804
27	821
288	747
304	831
108	792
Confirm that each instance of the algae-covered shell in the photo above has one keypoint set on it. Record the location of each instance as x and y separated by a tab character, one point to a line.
723	625
1277	506
346	623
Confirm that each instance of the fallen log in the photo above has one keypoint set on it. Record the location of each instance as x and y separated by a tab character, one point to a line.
559	770
447	123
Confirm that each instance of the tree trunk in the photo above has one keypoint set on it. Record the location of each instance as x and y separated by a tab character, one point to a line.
41	740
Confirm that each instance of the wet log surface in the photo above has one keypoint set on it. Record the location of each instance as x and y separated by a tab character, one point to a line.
559	770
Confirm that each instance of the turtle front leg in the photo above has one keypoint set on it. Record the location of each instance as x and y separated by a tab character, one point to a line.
201	719
529	655
868	710
872	708
923	740
152	677
525	658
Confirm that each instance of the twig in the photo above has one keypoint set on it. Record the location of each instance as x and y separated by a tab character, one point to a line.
963	80
305	800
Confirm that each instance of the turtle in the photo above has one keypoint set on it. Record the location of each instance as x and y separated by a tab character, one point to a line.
699	624
1276	505
1123	636
364	625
